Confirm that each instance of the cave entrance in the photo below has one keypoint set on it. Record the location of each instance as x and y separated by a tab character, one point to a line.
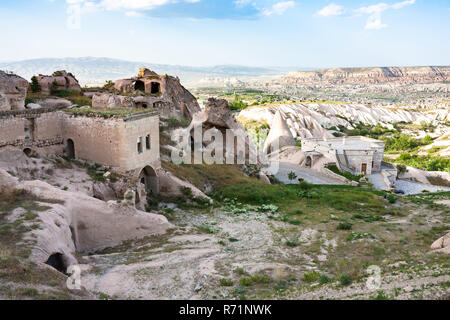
139	85
70	149
56	261
28	152
308	162
156	88
149	178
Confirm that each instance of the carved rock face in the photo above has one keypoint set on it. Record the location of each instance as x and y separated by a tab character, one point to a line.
13	91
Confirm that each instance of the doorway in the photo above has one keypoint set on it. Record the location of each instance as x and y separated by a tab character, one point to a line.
364	168
70	149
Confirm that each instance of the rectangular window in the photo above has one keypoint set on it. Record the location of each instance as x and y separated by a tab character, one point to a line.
139	145
147	142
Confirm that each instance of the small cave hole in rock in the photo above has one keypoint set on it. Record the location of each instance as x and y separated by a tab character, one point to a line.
28	152
56	261
156	87
145	106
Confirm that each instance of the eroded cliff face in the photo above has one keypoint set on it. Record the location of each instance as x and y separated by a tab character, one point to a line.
400	75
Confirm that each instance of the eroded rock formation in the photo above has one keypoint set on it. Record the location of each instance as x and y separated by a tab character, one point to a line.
59	80
402	75
13	91
77	222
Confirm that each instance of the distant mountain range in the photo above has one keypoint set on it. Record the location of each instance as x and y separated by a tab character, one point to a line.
89	70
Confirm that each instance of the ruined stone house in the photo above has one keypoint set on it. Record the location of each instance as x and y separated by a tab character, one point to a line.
358	155
150	90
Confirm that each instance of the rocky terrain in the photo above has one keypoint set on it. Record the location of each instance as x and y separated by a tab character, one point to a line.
401	75
313	119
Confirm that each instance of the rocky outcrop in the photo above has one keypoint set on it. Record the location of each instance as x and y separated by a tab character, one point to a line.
402	75
162	92
59	80
312	120
13	91
77	222
279	135
442	245
107	100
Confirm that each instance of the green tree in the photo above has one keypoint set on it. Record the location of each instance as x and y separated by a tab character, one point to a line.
54	87
35	86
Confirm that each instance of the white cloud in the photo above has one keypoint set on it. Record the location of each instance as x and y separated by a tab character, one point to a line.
331	10
134	14
279	8
374	12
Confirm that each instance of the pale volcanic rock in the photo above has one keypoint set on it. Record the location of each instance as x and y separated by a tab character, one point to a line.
62	79
442	244
78	222
280	135
404	75
312	120
13	91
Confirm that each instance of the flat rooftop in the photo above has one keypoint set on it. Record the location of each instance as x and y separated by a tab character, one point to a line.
349	143
125	113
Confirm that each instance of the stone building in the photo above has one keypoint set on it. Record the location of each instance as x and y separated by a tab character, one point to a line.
358	155
126	143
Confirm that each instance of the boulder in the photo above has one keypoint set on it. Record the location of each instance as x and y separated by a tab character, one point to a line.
62	79
103	192
442	244
13	91
171	186
33	106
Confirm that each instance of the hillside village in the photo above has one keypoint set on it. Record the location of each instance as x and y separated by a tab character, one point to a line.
87	178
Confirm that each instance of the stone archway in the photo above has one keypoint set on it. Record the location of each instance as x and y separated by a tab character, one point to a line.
70	149
139	86
149	178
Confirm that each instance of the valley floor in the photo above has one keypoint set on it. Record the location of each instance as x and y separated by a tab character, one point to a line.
221	254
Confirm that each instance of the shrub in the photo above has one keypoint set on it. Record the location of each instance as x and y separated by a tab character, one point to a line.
311	276
344	226
391	198
324	279
345	280
291	244
292	176
226	282
255	279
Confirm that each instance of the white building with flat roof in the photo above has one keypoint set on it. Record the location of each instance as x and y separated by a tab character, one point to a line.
358	155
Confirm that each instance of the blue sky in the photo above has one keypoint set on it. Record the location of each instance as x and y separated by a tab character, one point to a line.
300	33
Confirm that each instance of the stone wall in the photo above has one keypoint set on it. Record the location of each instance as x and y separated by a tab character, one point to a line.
32	129
113	142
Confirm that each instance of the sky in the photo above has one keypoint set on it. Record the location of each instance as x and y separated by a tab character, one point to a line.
300	33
